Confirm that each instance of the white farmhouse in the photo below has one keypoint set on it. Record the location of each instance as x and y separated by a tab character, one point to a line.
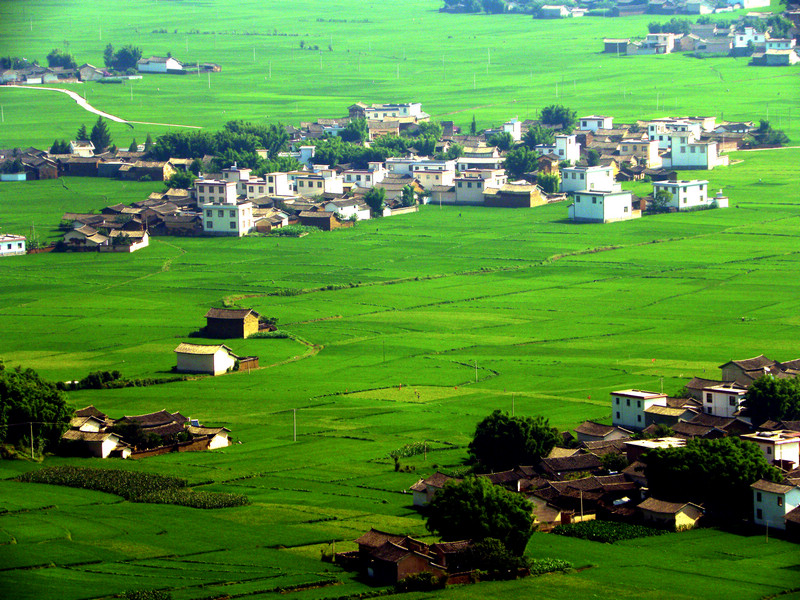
575	179
11	245
782	445
595	122
222	212
685	194
687	153
628	407
158	64
568	148
348	208
470	185
467	163
723	400
207	359
366	178
771	502
599	206
81	148
324	181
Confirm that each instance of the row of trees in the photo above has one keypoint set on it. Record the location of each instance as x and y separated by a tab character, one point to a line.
100	137
122	60
61	58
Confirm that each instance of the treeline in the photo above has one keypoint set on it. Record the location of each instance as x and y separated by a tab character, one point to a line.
111	380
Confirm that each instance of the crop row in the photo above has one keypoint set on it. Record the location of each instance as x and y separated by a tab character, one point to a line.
134	486
606	531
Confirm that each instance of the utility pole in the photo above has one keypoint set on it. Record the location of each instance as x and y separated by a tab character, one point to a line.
476	371
2	114
513	406
294	423
209	80
31	424
384	350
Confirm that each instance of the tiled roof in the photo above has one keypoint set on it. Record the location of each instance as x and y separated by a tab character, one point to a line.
594	429
662	506
375	538
763	485
185	348
229	313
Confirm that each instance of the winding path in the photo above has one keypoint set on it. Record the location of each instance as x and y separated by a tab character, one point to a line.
86	106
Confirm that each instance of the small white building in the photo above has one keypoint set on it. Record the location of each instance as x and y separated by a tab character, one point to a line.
575	179
469	187
11	245
347	208
723	400
100	445
628	407
322	182
685	194
469	163
568	148
771	502
206	359
783	445
779	43
158	64
366	178
687	153
749	35
595	122
222	212
602	207
81	148
218	437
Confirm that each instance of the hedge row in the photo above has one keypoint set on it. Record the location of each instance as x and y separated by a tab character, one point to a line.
606	531
133	486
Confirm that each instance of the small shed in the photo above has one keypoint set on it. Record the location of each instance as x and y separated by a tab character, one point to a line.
675	515
203	358
226	323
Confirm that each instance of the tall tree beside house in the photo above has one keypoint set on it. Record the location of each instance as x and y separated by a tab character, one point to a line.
134	147
556	114
538	135
408	196
592	157
502	141
59	147
660	202
148	143
430	129
356	131
473	127
501	441
769	398
82	134
61	58
376	200
108	56
100	136
26	398
716	473
549	182
476	509
520	160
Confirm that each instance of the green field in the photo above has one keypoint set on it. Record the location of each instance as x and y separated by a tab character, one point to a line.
555	314
389	319
493	66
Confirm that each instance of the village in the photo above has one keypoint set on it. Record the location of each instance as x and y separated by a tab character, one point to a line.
583	162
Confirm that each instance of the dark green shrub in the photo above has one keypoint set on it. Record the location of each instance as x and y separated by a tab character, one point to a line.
606	531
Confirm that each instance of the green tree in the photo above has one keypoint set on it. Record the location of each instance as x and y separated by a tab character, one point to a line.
660	202
61	58
27	398
181	180
503	141
520	160
108	56
82	135
134	147
430	129
454	151
59	147
717	473
376	200
476	509
408	196
556	114
592	157
356	131
125	58
769	398
100	136
538	135
501	442
148	143
549	182
473	127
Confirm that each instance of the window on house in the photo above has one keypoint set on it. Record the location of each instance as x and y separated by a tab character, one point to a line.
708	410
319	184
625	209
639	418
769	449
261	189
692	148
683	149
708	397
220	213
594	201
780	501
209	225
758	496
618	414
628	401
208	213
732	401
270	189
616	400
582	176
759	513
270	179
233	224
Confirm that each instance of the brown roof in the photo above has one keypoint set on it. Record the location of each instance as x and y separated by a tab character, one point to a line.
390	552
600	447
690	430
594	429
90	411
230	313
751	364
763	485
86	436
662	506
185	348
206	430
578	462
155	419
452	547
793	516
375	538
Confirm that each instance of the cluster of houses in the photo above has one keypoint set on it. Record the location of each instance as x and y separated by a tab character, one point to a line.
93	433
572	484
734	40
590	162
34	74
687	7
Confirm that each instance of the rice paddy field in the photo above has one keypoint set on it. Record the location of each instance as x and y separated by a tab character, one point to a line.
403	330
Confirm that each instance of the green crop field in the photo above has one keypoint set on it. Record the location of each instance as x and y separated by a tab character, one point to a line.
404	330
493	66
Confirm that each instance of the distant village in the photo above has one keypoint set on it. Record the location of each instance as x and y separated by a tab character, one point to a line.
585	166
